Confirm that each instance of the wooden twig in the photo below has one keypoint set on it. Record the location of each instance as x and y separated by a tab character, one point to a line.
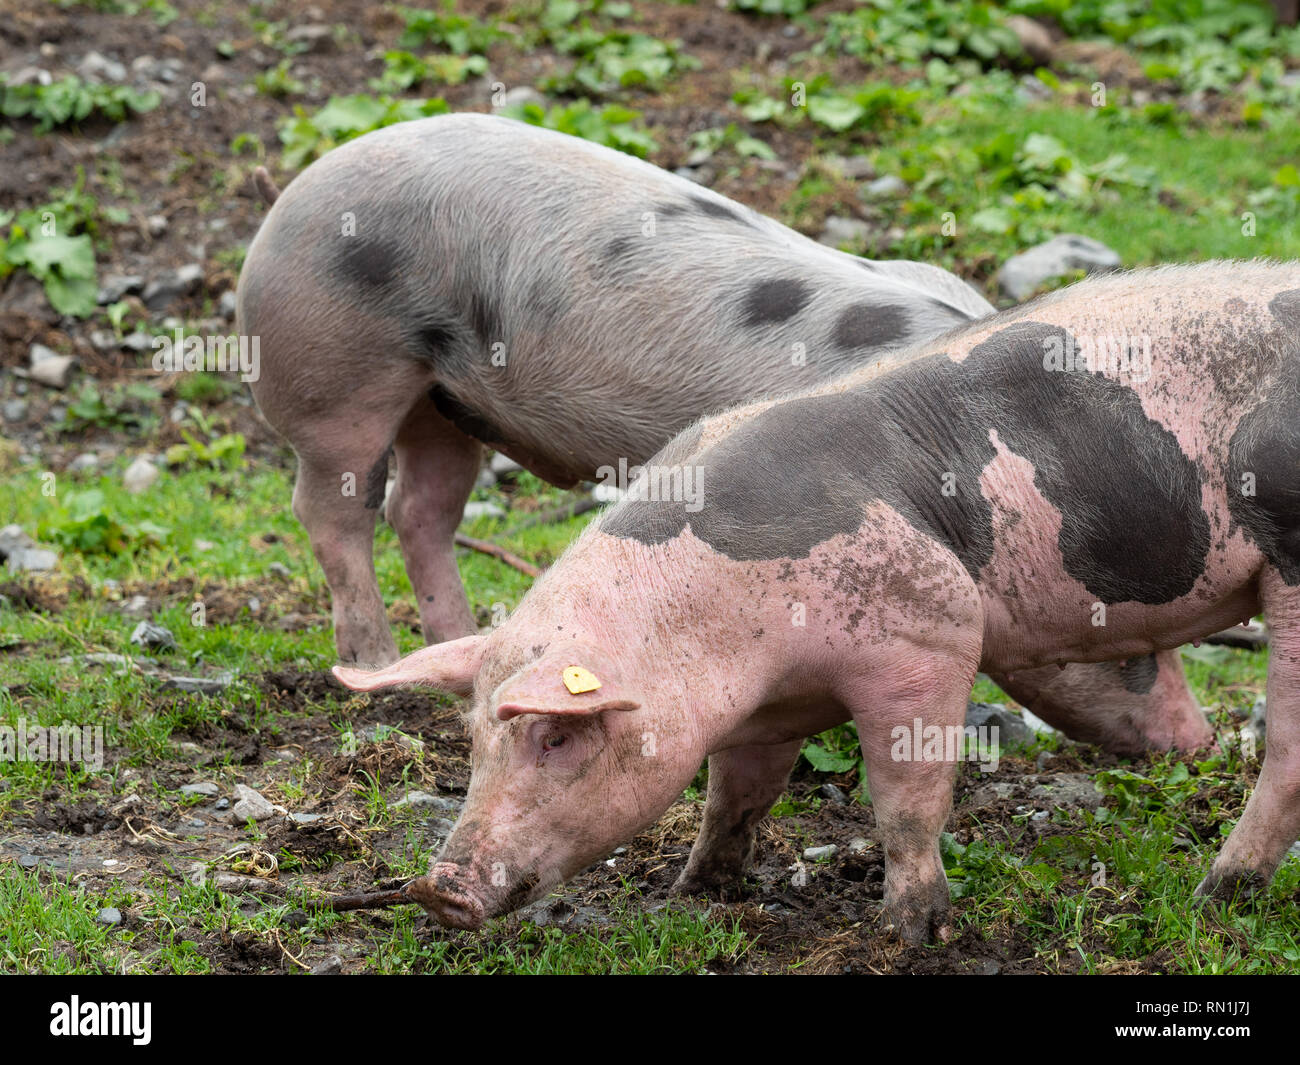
365	900
498	552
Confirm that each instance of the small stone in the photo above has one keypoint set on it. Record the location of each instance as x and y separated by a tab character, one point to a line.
151	636
834	794
136	607
279	569
853	167
109	915
32	560
331	966
140	476
504	465
840	231
137	341
12	538
200	685
888	187
87	460
223	804
227	305
250	805
168	287
203	545
477	510
99	68
29	861
295	919
1034	38
314	38
858	845
15	410
522	95
116	286
820	854
157	224
1010	728
306	819
205	788
1022	274
49	368
238	883
422	800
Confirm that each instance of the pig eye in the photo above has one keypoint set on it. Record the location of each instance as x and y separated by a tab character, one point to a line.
554	741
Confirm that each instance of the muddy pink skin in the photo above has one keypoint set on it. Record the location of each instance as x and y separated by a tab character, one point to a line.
691	620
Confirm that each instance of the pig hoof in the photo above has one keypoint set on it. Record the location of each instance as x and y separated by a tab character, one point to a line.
1231	885
721	889
920	918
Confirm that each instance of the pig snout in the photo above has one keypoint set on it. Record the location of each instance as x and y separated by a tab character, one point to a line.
448	896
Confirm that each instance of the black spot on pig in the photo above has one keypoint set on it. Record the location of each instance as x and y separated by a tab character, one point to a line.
619	252
377	481
1138	675
713	209
869	325
434	340
775	300
1264	466
802	471
364	262
1285	307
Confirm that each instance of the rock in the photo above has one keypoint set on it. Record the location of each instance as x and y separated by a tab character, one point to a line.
859	845
157	224
853	167
888	187
1011	729
136	607
1022	274
1068	790
84	462
29	861
504	465
101	69
306	819
30	76
116	286
166	288
49	367
486	479
422	800
239	883
137	341
1294	850
279	569
1030	89
295	919
223	804
205	788
840	231
15	410
32	560
522	95
227	305
151	636
12	538
820	854
834	794
140	475
250	805
482	510
331	966
200	685
701	175
109	915
314	38
1033	37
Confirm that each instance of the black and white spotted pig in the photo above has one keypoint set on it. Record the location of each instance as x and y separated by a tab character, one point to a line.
467	279
993	503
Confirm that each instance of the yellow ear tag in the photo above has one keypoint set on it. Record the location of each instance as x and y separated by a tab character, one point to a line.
579	680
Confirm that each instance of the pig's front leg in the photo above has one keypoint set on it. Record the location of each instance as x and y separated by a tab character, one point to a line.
1271	821
436	468
911	788
744	782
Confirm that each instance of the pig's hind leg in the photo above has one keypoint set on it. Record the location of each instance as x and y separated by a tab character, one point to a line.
436	468
1271	821
744	782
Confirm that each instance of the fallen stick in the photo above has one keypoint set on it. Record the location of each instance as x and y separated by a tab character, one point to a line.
366	900
498	552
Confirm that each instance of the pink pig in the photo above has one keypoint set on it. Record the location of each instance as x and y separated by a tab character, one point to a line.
1100	475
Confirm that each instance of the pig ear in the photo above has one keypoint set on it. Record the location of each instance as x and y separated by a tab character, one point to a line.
565	688
449	667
